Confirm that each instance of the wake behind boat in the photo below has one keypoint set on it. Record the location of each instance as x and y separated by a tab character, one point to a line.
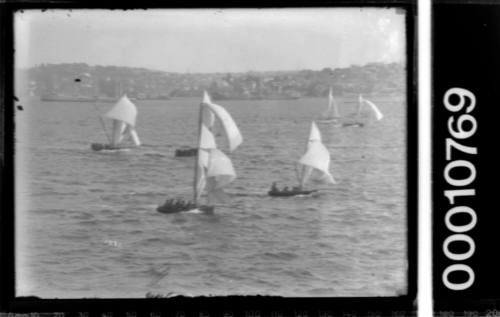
123	115
213	170
313	165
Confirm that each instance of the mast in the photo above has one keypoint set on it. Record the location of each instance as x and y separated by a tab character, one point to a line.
102	122
87	75
197	158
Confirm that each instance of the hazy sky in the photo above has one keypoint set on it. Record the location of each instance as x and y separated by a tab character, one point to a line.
210	40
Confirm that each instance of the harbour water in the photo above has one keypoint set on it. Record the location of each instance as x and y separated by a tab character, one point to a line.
86	224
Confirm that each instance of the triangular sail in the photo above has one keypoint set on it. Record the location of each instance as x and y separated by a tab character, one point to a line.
314	134
124	114
208	118
132	134
359	105
124	110
231	129
213	169
373	107
205	144
117	133
316	160
220	173
134	137
332	111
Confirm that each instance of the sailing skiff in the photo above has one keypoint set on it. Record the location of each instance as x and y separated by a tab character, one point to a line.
331	115
358	120
123	115
314	165
213	170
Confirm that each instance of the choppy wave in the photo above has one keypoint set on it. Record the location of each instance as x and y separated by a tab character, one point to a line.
92	215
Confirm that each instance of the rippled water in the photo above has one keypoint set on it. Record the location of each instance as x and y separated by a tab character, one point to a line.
86	224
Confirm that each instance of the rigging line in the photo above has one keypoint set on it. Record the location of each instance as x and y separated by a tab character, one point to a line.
102	122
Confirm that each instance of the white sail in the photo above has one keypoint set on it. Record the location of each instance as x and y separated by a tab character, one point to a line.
213	169
117	133
134	137
378	113
124	114
124	110
359	105
200	172
332	111
231	129
205	145
375	109
316	160
207	139
208	118
132	134
314	134
220	173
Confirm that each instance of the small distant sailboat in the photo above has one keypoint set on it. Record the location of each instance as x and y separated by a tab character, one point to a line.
358	122
314	165
213	170
123	114
373	107
331	115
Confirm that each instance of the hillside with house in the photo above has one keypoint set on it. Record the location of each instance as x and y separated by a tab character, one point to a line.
79	80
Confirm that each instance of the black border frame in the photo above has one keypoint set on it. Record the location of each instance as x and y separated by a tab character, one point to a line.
218	306
465	45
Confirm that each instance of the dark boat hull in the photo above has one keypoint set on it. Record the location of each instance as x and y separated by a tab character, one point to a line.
290	193
335	123
185	152
353	124
169	209
107	147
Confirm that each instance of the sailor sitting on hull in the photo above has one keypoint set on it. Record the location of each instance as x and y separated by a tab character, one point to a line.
178	205
275	189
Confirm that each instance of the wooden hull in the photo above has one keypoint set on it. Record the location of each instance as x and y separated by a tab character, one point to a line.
108	147
171	209
337	124
185	152
353	124
290	193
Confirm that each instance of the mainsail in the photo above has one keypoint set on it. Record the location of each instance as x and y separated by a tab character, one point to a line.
231	130
362	101
123	114
316	160
214	170
332	112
